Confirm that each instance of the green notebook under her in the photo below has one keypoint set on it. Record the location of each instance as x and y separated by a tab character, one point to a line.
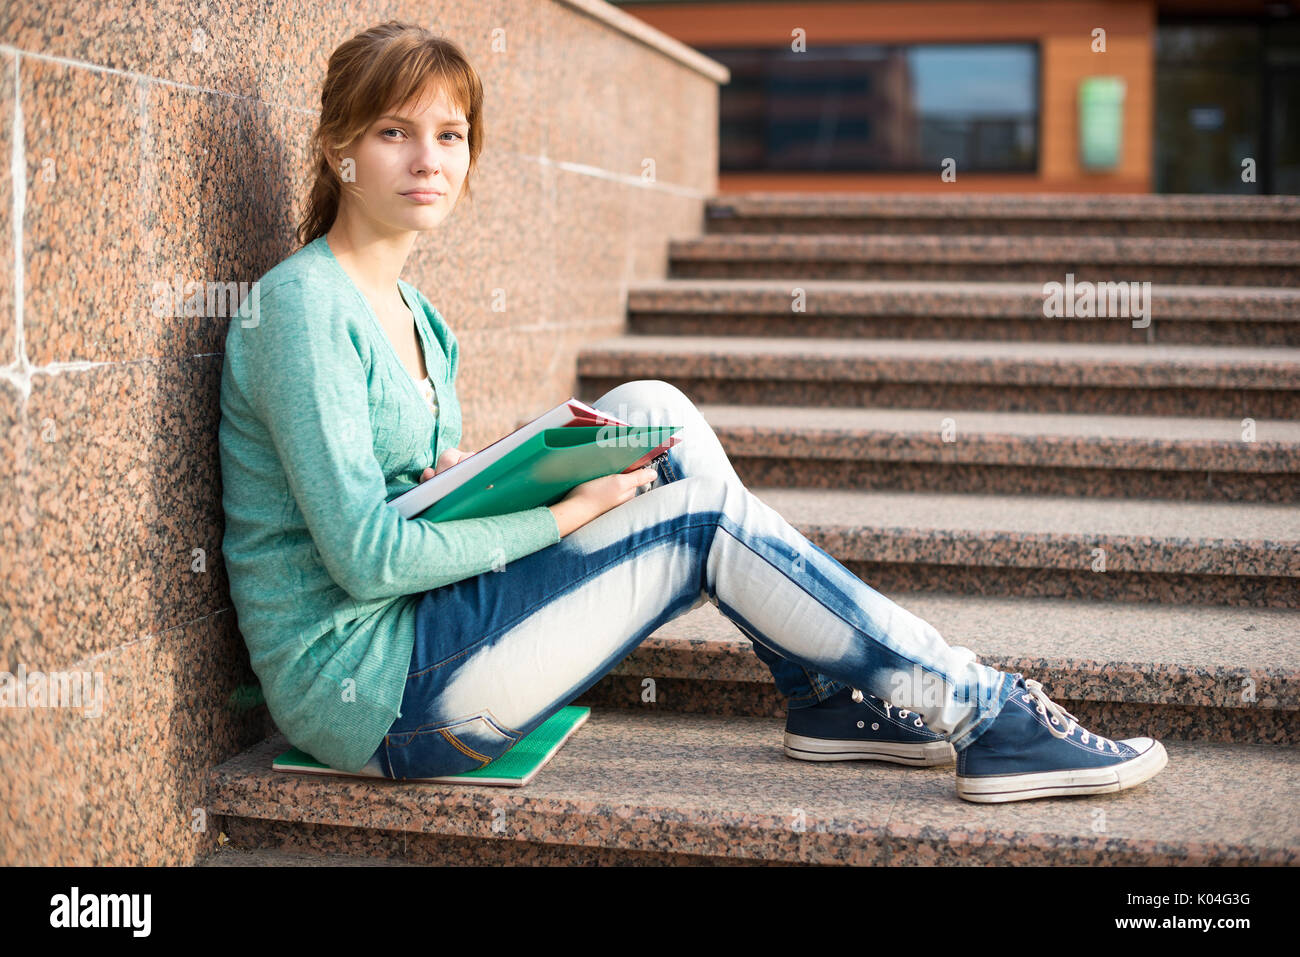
515	768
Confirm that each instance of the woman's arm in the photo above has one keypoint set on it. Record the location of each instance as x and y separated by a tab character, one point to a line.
303	376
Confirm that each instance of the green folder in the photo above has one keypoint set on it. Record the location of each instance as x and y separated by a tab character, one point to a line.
515	768
548	466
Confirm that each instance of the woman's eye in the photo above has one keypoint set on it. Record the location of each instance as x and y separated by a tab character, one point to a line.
393	129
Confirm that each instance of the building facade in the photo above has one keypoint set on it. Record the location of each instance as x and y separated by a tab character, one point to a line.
1188	96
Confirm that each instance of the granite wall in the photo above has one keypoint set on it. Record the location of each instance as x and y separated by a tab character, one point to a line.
160	143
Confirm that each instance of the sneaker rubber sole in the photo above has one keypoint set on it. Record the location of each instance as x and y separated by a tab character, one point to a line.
826	749
995	789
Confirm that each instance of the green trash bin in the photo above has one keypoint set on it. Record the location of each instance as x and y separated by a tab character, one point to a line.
1101	121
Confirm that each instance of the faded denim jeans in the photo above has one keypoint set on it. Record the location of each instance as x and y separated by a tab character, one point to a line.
497	654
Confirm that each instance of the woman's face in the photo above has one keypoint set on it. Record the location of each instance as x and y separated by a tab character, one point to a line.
420	146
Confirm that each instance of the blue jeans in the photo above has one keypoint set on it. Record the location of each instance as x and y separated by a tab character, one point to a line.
498	654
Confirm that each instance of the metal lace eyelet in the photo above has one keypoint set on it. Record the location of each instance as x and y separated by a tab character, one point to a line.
875	726
860	724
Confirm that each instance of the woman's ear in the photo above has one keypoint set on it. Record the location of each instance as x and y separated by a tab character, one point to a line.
334	156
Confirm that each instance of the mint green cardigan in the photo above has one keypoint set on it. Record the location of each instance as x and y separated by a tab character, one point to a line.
321	425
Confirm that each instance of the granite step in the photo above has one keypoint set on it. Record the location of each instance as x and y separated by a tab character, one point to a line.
1043	214
1218	553
951	450
231	855
672	788
1157	379
902	309
1213	262
1123	668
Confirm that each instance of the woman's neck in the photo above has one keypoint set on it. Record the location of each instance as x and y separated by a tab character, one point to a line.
374	263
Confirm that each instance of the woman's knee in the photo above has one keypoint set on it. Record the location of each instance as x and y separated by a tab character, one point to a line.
643	396
712	495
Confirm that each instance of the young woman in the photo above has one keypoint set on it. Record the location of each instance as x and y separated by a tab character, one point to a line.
407	648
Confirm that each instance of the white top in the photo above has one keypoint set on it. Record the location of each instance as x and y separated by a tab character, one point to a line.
426	389
424	385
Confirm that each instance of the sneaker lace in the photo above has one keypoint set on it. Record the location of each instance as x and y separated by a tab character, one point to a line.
902	712
1058	716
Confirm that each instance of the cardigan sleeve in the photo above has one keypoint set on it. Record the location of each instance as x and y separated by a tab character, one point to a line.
307	383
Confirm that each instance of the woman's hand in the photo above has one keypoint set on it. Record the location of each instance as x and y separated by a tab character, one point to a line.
445	461
593	499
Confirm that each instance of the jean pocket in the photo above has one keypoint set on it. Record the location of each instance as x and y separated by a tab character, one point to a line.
451	747
667	468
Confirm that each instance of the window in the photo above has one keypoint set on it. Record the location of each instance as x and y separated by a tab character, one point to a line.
897	108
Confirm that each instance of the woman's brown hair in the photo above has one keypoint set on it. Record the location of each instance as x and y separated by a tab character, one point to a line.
370	75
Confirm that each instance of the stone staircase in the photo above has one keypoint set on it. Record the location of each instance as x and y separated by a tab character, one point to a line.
1111	510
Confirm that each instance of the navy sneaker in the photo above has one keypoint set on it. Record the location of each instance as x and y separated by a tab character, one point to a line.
1035	748
851	726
